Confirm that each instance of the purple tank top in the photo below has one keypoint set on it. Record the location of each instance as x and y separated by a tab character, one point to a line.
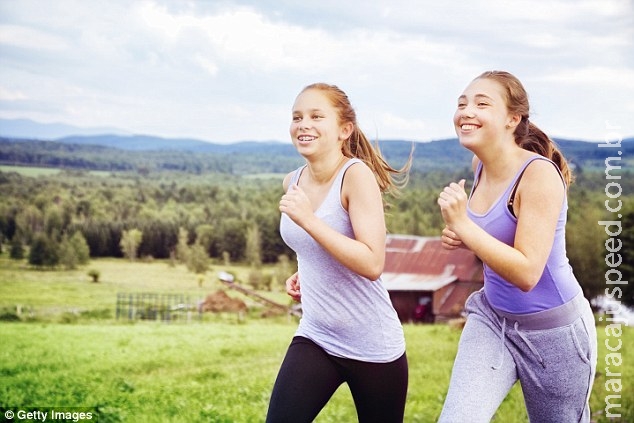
557	284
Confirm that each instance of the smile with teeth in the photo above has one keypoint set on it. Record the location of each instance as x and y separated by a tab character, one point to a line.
305	138
468	127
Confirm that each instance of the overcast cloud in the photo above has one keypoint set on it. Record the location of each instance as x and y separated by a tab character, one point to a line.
226	71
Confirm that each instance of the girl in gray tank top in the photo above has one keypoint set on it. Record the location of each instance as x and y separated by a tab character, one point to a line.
333	218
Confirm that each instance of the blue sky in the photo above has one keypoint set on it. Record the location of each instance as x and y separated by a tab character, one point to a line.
227	71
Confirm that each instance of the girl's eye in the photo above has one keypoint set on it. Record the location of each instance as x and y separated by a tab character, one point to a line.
462	105
317	117
483	104
296	118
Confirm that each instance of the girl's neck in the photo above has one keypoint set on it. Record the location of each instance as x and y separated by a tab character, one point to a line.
501	165
323	171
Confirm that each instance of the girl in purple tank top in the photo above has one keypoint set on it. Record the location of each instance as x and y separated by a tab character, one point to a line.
530	322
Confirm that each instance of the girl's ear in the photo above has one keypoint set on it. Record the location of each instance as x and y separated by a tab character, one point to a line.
513	121
346	130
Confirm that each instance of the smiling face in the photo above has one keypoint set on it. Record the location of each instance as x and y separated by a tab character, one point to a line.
482	117
315	125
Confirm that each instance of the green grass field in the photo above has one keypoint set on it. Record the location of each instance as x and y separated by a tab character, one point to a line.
69	351
30	171
33	171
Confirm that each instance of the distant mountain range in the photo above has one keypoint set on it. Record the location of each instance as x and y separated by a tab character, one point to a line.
26	128
82	142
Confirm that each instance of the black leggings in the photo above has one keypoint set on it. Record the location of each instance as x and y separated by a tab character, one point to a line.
309	376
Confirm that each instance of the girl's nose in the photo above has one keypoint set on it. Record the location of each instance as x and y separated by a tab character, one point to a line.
468	112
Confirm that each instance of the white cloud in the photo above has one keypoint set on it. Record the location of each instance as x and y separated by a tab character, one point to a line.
226	71
593	76
11	95
30	38
396	125
209	65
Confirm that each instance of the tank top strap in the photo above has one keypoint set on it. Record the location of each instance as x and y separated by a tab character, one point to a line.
296	174
334	194
518	177
510	191
338	180
344	168
476	178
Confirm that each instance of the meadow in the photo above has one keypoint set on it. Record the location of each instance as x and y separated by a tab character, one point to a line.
62	347
32	171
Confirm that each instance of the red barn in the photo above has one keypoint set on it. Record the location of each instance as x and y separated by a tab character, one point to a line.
426	282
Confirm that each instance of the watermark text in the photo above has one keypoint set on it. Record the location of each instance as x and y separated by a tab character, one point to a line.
613	277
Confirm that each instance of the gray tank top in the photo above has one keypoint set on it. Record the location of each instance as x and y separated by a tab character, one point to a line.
346	314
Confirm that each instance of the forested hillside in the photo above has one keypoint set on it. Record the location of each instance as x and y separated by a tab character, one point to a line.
224	205
147	154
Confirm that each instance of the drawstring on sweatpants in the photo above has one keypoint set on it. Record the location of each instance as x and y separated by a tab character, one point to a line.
502	346
530	345
524	338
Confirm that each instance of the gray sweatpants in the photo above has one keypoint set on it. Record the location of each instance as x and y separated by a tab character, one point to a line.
552	353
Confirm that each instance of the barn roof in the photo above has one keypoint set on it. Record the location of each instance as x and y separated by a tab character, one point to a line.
415	263
414	282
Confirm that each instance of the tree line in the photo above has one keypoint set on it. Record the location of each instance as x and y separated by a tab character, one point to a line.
221	216
145	154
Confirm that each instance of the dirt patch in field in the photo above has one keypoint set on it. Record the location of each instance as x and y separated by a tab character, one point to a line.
219	301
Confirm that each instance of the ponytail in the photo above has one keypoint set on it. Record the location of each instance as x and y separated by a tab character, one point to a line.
531	138
390	180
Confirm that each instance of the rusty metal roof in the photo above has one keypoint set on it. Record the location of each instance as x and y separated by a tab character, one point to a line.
421	263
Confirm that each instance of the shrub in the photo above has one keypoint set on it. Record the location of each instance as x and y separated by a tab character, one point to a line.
16	251
260	280
9	315
94	274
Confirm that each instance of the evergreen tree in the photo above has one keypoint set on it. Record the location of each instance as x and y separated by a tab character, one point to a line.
44	252
17	249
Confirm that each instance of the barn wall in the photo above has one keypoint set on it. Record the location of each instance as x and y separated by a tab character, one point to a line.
405	303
